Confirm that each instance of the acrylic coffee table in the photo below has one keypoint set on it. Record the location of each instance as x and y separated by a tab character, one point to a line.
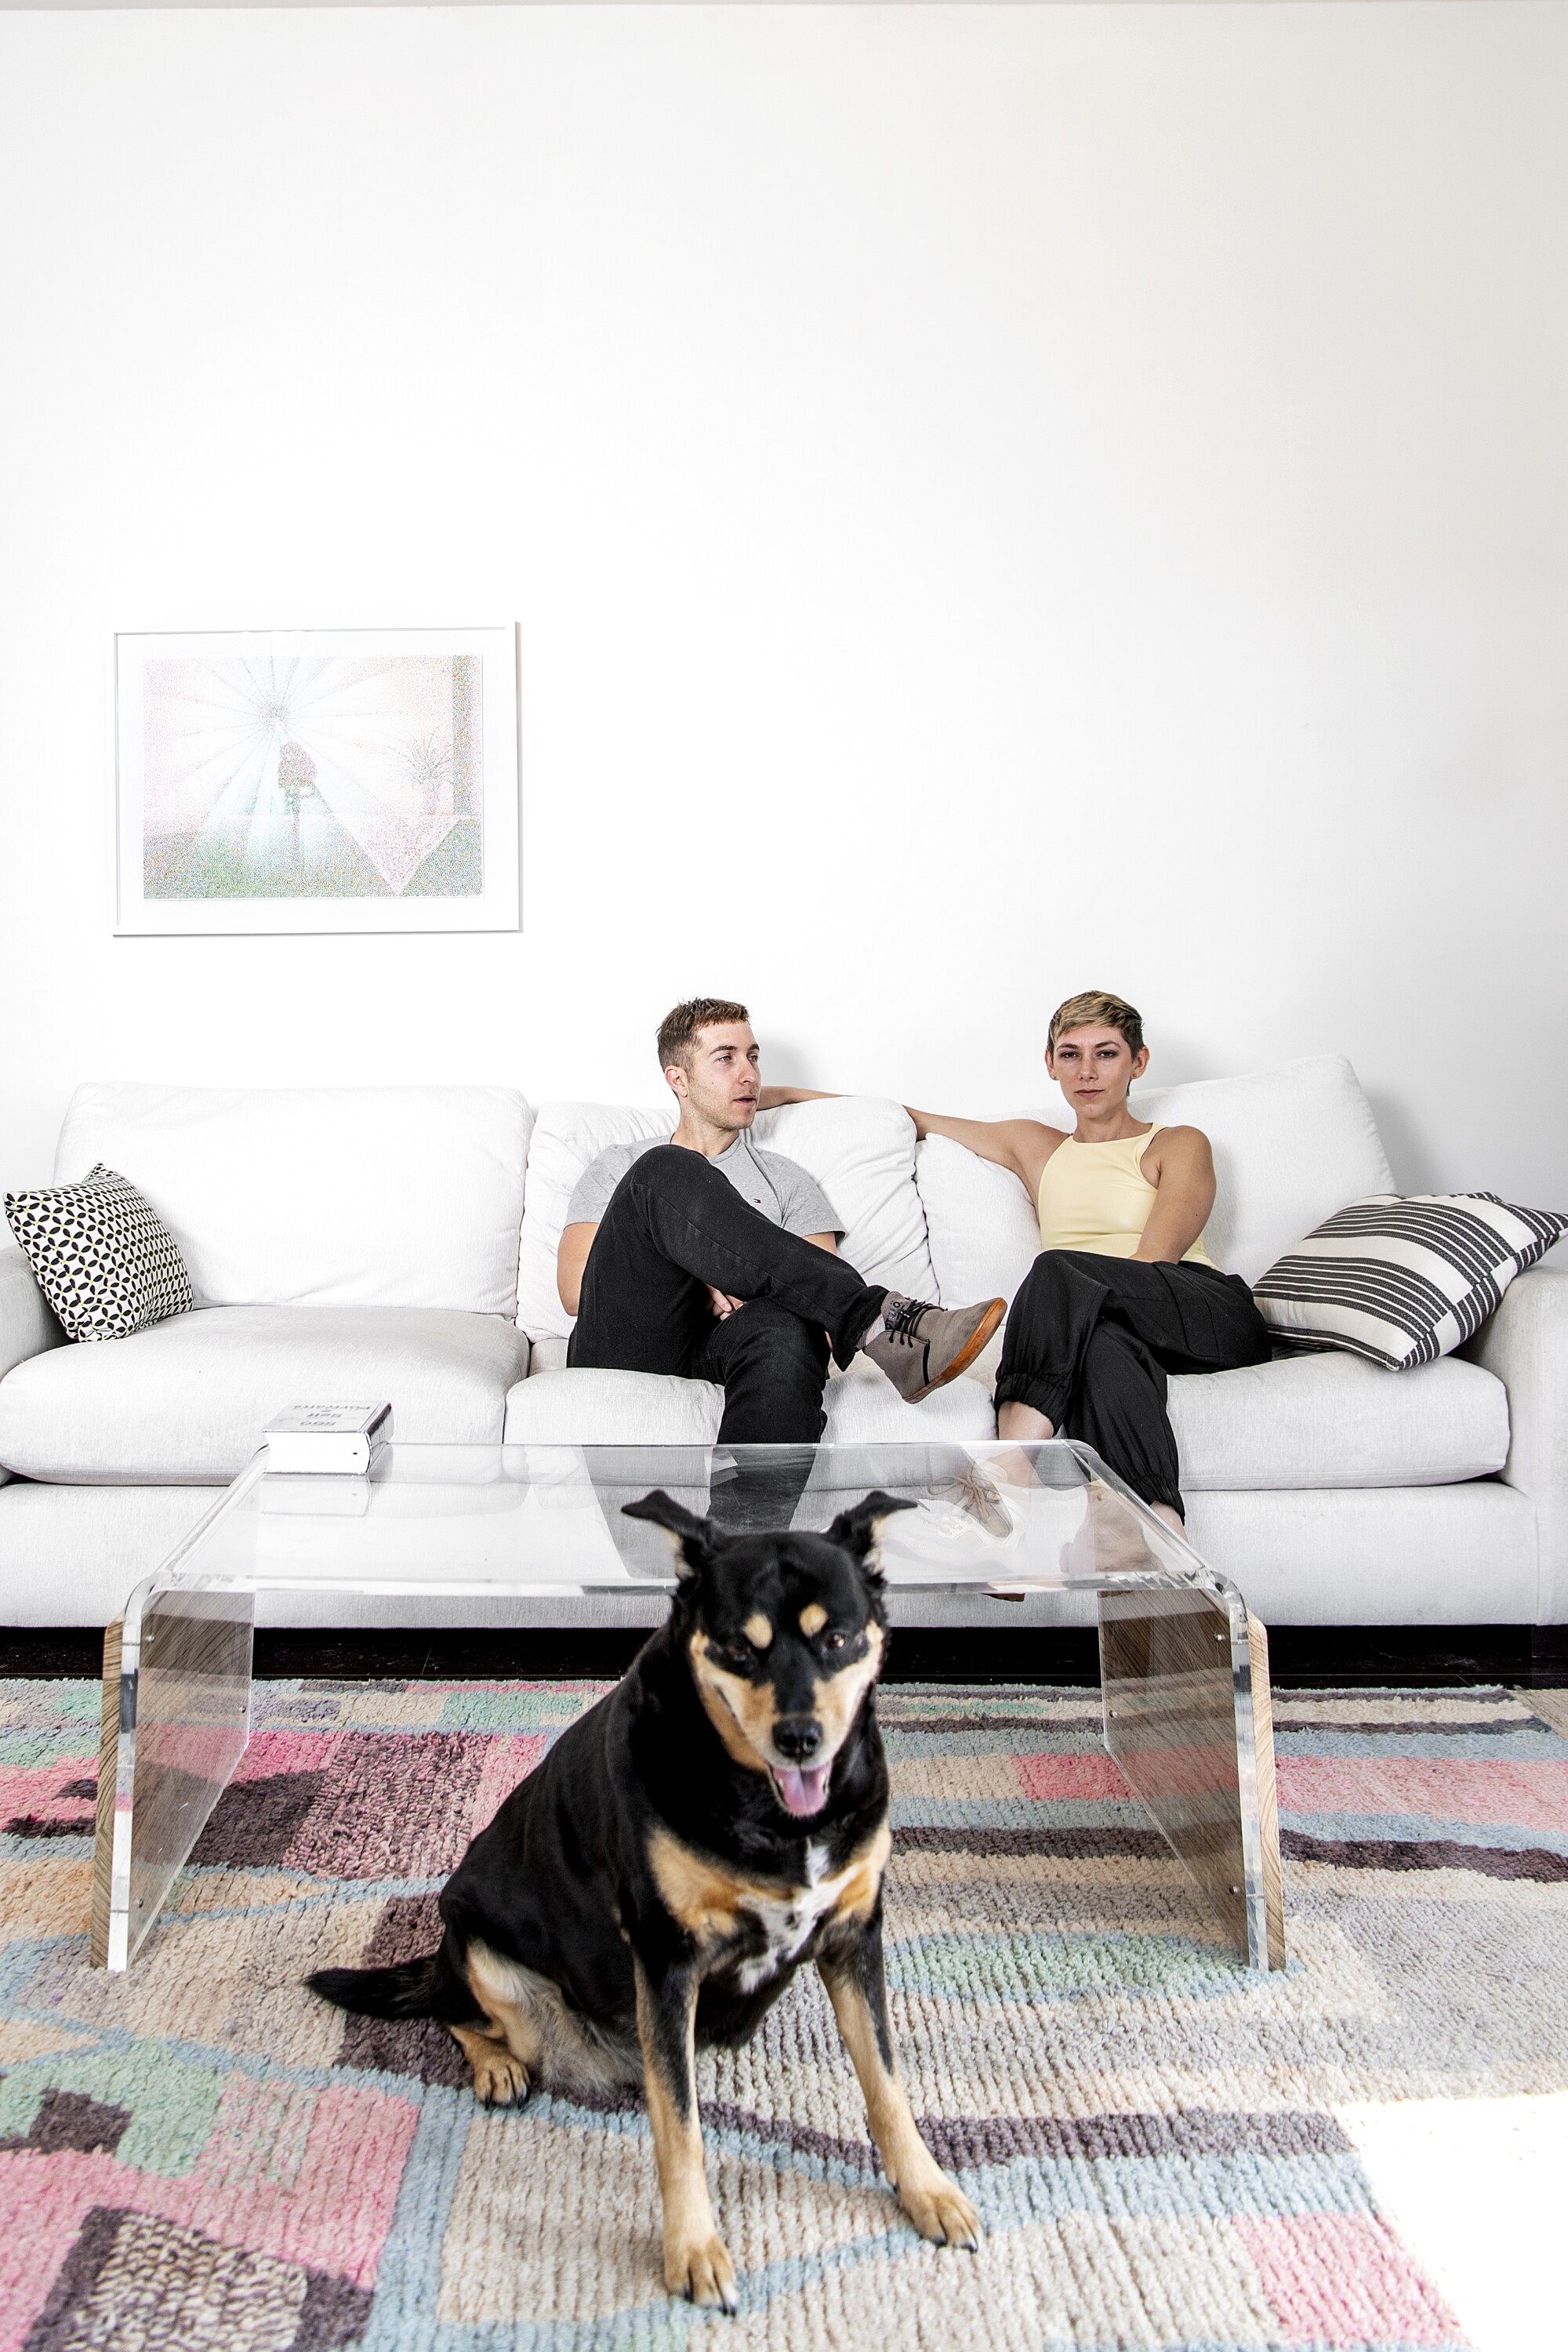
1183	1668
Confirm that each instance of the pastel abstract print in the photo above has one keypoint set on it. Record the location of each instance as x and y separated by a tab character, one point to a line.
291	777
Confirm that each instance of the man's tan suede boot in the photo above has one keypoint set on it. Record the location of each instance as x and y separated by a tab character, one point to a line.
921	1346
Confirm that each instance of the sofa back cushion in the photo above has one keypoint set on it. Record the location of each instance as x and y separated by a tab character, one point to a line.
342	1196
566	1136
1291	1146
983	1231
860	1149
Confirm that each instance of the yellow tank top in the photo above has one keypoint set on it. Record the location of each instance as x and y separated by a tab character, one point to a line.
1095	1196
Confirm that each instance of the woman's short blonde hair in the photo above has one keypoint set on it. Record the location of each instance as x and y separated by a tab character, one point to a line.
1096	1005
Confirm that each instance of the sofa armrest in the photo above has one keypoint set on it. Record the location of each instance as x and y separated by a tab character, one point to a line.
1525	1343
26	1324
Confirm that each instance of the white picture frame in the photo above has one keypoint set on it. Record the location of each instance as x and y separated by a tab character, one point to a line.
300	780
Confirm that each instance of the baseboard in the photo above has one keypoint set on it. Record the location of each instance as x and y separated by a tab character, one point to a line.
1302	1657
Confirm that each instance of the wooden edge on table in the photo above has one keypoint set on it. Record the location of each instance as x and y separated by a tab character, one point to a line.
108	1773
1268	1800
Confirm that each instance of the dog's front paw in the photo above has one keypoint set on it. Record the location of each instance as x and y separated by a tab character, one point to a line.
703	2271
941	2213
499	2080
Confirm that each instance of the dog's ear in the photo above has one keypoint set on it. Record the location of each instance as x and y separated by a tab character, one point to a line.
691	1540
858	1529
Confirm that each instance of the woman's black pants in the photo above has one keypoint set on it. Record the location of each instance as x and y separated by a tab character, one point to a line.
1090	1340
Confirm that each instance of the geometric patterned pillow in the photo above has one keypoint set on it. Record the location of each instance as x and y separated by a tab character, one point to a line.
104	1258
1403	1281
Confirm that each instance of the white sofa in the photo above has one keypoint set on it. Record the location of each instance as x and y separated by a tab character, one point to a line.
401	1242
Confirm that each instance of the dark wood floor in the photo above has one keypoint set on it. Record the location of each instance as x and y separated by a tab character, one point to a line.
1393	1657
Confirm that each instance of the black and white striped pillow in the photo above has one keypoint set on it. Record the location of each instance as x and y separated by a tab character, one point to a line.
104	1258
1403	1280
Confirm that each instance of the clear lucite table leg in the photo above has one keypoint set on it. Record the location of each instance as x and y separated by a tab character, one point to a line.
1185	1675
176	1719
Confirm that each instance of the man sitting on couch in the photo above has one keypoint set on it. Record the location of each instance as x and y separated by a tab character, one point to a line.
706	1257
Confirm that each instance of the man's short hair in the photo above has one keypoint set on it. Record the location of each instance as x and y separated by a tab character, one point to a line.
678	1030
1095	1006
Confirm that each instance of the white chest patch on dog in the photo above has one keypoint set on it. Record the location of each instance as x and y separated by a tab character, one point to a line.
787	1920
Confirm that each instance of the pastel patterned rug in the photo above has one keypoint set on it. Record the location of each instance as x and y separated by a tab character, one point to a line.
200	2157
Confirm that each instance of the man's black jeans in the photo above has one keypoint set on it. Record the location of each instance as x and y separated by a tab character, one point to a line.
1090	1340
673	1226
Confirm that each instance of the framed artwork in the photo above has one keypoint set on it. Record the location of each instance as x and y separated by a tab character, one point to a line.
317	779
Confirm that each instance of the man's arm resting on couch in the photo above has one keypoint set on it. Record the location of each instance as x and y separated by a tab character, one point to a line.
1525	1343
1022	1145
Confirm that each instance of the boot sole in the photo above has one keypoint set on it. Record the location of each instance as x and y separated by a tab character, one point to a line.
984	1332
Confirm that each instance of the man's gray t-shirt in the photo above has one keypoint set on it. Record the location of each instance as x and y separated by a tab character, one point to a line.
780	1188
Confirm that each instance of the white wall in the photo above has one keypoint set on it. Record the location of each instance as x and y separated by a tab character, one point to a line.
997	501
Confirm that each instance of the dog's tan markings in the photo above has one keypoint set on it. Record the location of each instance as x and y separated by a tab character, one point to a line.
505	2054
742	1713
500	2079
938	2208
837	1697
812	1618
695	2258
758	1630
529	2034
703	1895
862	1881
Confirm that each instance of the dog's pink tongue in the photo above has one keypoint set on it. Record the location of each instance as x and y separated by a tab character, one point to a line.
803	1792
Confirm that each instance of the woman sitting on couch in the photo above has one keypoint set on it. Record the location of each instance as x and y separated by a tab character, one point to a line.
1123	1290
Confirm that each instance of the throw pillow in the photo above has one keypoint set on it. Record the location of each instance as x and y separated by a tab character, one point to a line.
104	1258
1402	1281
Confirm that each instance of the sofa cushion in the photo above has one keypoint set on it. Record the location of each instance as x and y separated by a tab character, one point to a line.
594	1408
864	1407
860	1149
983	1232
1307	1422
1291	1147
1333	1420
322	1196
188	1399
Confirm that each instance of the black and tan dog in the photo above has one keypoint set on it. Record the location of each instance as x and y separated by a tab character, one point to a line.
716	1820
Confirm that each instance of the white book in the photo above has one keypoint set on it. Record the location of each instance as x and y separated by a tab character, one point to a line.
313	1440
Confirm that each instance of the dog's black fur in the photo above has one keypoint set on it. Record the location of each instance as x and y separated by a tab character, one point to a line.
656	1881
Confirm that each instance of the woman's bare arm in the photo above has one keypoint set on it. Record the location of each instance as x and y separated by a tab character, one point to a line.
1180	1166
1022	1145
